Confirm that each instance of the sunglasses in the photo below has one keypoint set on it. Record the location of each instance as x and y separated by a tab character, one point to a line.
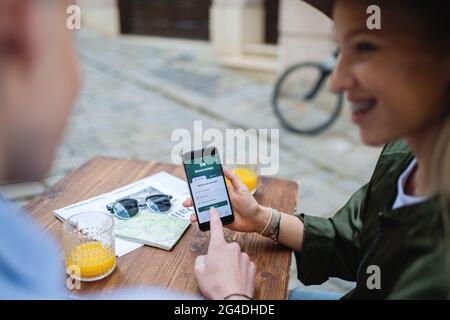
129	208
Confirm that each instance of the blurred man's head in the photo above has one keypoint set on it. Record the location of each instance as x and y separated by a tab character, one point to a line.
38	85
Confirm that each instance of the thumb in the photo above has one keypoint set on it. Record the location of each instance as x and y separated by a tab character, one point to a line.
216	228
234	180
187	203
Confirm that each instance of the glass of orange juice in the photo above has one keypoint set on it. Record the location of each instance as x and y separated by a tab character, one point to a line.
248	174
89	246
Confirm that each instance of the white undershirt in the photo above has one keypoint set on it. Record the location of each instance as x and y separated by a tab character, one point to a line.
404	199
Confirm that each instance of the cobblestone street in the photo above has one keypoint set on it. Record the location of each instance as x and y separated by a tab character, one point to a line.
136	91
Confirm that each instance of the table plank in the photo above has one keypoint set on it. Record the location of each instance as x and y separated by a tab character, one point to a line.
153	266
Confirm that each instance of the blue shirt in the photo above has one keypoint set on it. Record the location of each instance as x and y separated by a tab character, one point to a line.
31	263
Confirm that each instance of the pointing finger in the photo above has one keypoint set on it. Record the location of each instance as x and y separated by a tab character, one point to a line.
216	228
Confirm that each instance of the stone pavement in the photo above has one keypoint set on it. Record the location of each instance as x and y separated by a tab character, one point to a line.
138	90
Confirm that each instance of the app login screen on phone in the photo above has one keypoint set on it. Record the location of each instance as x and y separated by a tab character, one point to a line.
208	187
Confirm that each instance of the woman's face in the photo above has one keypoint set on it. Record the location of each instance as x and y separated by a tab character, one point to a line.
395	85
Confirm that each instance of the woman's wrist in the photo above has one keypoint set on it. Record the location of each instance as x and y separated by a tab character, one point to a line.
264	216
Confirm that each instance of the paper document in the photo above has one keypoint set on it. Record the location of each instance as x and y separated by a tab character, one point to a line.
161	230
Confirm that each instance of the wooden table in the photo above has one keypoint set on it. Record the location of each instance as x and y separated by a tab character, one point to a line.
172	269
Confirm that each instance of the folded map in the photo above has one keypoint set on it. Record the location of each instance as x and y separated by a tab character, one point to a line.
162	230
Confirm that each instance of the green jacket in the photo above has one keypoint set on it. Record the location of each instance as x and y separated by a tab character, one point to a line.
407	244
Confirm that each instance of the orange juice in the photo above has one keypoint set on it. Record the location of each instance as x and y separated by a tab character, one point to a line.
248	177
92	259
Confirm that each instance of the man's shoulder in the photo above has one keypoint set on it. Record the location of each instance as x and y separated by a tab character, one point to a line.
24	244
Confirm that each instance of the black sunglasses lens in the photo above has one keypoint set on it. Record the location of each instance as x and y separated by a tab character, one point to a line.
159	203
126	209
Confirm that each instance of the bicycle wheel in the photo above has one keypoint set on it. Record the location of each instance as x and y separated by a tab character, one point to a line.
300	101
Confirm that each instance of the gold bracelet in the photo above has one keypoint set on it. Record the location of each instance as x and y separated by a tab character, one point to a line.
267	225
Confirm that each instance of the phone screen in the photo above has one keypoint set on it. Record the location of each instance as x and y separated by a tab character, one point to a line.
207	185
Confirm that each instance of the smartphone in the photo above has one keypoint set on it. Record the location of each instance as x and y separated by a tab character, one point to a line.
207	185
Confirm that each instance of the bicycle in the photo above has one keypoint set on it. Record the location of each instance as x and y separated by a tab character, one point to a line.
306	109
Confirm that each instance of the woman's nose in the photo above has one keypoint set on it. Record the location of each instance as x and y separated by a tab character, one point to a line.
341	78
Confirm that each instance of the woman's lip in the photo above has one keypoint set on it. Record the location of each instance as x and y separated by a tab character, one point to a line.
359	101
360	104
359	116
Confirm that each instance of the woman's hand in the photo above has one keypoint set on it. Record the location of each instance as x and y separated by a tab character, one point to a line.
224	270
249	216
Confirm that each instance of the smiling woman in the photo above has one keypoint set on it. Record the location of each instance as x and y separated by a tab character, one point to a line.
397	80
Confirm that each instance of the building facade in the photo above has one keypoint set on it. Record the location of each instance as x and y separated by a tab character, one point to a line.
261	35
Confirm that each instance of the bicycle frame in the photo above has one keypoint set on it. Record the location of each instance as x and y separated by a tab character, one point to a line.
325	69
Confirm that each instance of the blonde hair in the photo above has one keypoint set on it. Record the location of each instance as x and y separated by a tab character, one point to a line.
441	179
435	27
442	166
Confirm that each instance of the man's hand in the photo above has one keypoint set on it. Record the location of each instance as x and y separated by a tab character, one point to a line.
224	270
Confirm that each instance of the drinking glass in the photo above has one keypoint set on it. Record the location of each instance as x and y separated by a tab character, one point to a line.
89	245
248	174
